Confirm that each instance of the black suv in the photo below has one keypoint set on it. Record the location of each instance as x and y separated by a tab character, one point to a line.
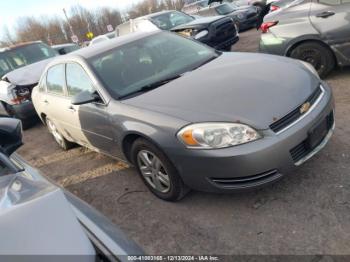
219	32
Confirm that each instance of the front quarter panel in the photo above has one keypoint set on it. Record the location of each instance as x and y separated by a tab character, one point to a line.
158	128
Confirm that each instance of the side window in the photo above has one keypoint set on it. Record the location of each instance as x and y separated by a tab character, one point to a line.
42	84
55	79
330	2
77	80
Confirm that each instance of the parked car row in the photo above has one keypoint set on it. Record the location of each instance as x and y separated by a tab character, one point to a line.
245	17
218	32
182	112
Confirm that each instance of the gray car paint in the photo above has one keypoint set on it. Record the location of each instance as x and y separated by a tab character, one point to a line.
218	97
40	219
299	23
222	90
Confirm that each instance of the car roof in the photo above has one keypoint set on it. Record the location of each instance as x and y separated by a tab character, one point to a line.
15	46
63	45
98	48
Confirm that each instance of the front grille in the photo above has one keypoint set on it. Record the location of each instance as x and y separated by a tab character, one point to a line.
303	149
225	30
295	114
248	181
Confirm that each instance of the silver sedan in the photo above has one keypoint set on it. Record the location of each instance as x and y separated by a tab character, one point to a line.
185	115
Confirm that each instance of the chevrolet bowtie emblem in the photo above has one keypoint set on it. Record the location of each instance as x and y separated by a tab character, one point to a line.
304	108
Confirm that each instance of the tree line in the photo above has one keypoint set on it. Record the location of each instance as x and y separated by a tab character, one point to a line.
58	30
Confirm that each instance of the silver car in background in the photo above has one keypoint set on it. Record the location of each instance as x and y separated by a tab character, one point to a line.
40	221
185	115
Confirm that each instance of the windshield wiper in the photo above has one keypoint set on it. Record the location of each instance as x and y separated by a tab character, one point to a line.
151	86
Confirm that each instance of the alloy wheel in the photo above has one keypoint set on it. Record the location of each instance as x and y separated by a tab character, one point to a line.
153	171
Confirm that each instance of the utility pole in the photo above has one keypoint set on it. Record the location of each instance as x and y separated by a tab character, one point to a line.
70	27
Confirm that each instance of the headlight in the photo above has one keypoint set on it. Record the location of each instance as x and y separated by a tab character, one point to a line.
201	34
310	68
216	135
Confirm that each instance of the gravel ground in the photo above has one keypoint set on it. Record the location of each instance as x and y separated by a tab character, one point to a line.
308	212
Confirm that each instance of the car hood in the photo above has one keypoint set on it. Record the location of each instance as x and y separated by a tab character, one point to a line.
237	87
27	75
198	22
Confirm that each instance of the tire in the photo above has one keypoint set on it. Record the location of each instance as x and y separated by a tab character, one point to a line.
157	172
59	138
316	54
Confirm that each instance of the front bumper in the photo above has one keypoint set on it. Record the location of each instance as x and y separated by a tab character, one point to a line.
253	164
227	44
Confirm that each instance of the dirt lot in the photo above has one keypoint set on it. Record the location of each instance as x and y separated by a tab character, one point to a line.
305	213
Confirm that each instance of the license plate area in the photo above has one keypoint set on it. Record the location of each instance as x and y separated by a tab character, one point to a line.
317	134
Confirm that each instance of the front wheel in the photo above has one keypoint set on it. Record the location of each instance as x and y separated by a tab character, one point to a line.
157	172
317	55
59	138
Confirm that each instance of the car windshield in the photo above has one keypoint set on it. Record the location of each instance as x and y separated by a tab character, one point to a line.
129	68
25	55
224	9
169	20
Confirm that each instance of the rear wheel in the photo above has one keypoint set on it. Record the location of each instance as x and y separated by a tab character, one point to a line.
59	138
316	54
157	172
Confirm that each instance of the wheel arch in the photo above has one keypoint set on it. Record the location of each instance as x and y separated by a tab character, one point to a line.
128	140
310	40
43	118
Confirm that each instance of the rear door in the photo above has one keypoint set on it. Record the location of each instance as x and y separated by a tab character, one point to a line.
331	18
54	102
90	122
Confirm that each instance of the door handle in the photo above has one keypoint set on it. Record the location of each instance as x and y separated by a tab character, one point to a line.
72	109
325	14
46	102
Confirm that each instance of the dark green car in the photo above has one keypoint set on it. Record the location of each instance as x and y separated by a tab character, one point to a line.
316	31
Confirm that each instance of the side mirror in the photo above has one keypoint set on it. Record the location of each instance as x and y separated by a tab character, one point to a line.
10	135
84	97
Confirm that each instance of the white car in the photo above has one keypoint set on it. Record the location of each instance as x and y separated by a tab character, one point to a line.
102	38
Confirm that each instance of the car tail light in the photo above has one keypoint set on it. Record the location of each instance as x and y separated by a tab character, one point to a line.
274	8
265	26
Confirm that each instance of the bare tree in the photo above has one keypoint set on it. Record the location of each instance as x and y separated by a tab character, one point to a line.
55	30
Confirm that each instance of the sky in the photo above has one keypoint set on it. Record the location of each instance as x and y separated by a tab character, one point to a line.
13	9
